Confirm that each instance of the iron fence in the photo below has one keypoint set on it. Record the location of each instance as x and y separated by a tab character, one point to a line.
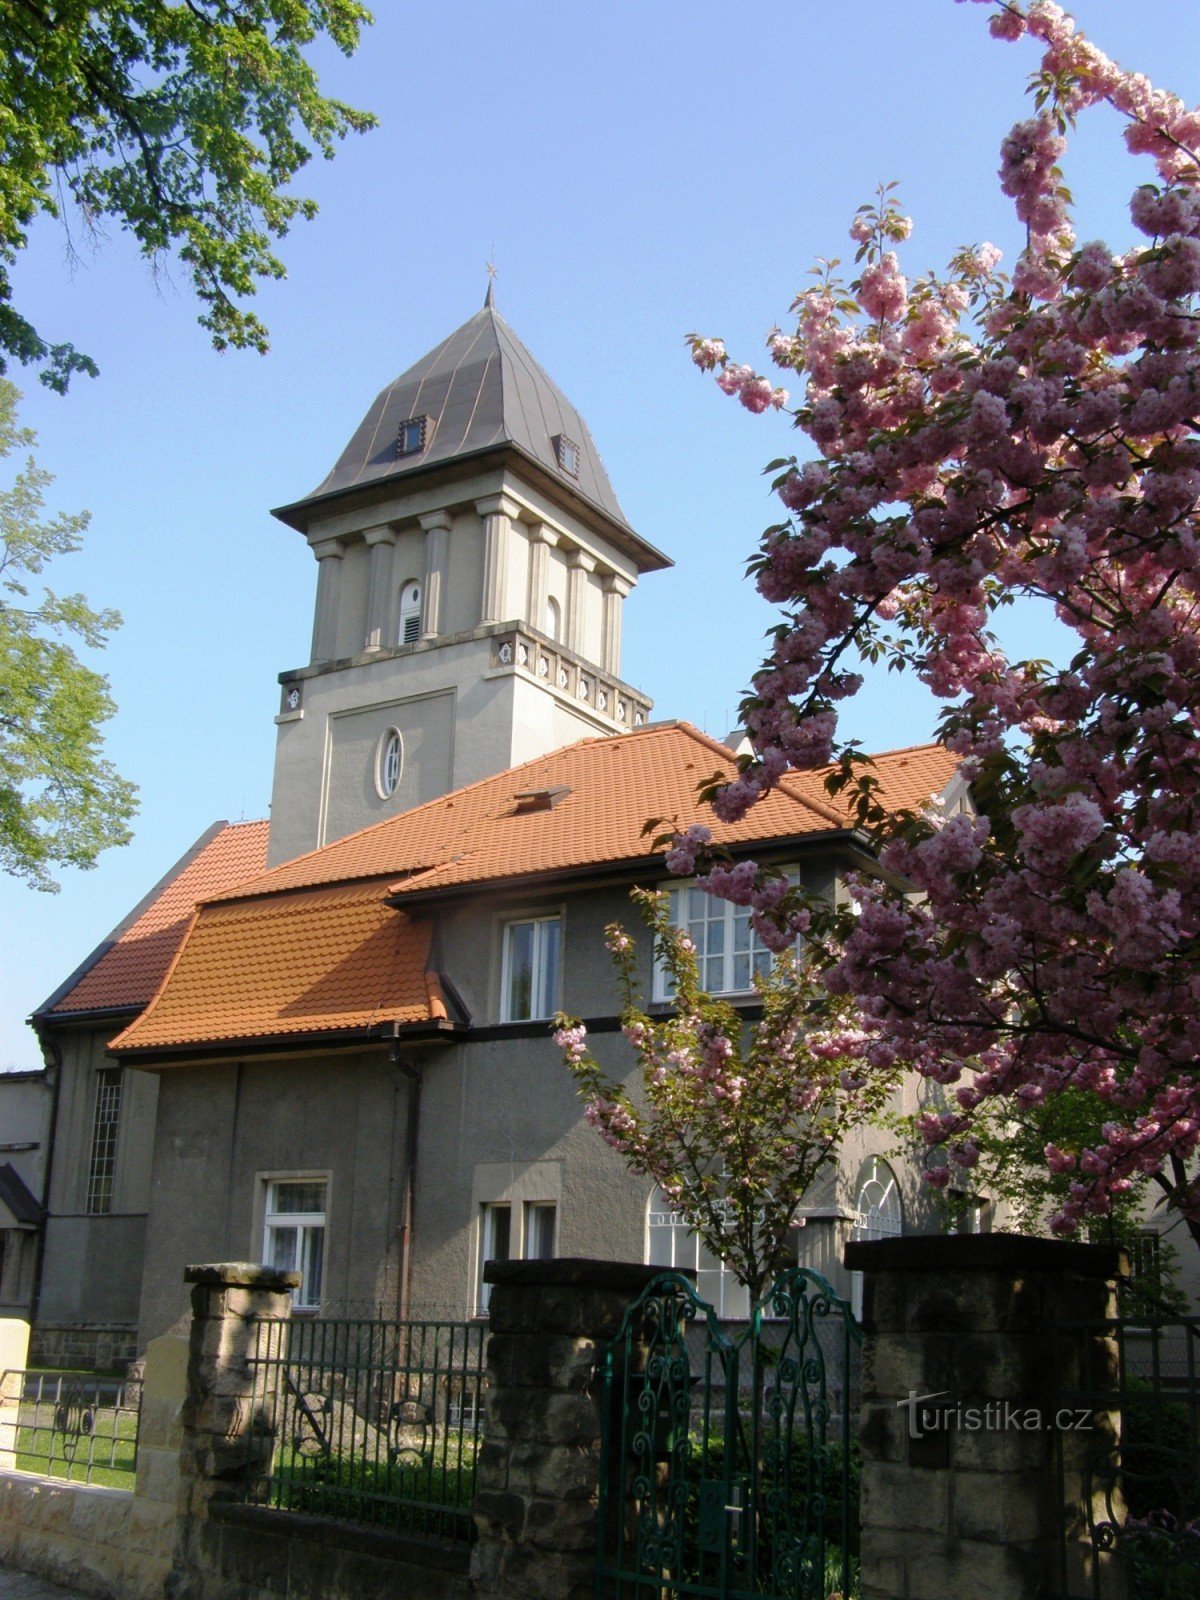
1134	1464
72	1425
368	1422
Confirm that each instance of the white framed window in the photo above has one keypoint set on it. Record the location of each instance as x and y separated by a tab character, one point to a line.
671	1242
294	1234
729	953
102	1160
499	1239
879	1213
529	973
389	763
409	629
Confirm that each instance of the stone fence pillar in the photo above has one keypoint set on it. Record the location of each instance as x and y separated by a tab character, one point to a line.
960	1480
538	1472
14	1358
238	1310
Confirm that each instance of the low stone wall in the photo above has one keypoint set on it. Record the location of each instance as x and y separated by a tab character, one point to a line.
83	1347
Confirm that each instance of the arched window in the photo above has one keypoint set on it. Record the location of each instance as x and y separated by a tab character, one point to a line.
879	1213
670	1242
389	763
553	618
410	612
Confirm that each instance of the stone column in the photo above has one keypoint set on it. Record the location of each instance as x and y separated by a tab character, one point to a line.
437	554
616	590
541	541
579	564
538	1471
152	1517
960	1494
382	543
239	1310
329	553
498	511
14	1358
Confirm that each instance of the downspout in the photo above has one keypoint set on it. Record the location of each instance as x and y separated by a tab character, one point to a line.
52	1056
408	1198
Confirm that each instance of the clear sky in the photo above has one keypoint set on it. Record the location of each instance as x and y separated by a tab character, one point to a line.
637	171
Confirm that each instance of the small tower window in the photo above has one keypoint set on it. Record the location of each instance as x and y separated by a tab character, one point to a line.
389	763
410	438
553	619
567	452
410	613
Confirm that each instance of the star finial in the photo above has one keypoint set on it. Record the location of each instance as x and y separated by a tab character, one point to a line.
489	299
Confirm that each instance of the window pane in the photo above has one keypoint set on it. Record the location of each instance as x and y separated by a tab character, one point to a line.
281	1248
548	964
520	971
309	1293
498	1227
539	1232
289	1199
103	1162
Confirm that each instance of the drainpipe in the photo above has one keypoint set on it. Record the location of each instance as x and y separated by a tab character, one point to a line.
408	1198
52	1056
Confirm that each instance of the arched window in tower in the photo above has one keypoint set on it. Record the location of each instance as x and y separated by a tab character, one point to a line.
410	612
554	619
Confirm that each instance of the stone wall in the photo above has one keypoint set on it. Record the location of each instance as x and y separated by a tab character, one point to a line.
83	1347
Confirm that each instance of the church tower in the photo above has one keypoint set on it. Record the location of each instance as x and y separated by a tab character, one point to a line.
472	561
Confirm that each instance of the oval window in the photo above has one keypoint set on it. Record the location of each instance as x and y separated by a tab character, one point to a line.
389	763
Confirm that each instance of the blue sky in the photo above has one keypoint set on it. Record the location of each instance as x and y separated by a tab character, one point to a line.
637	172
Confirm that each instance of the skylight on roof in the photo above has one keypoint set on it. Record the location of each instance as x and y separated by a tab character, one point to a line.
410	438
567	452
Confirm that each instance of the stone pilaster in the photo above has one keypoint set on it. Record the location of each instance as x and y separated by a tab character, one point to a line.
539	1467
579	564
616	589
239	1311
498	512
437	556
960	1494
382	543
329	553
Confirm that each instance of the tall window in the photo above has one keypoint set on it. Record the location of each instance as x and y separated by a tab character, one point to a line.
410	613
102	1165
294	1236
670	1242
729	954
879	1213
530	971
499	1241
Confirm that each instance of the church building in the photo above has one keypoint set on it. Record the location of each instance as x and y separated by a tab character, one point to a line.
323	1042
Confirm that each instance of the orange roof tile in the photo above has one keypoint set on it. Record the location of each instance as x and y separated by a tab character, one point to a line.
479	834
129	965
318	961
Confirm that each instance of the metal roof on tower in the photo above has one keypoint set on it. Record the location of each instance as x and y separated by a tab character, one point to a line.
477	393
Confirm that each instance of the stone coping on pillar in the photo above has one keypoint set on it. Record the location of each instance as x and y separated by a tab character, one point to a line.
577	1272
242	1275
985	1252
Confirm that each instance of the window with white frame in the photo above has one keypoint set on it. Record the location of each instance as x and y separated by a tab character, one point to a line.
529	976
409	630
294	1234
106	1122
671	1242
729	953
499	1239
879	1213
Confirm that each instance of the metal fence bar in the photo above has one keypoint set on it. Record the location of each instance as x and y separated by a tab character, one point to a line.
369	1422
72	1425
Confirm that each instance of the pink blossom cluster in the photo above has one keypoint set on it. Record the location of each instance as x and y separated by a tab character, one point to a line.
976	439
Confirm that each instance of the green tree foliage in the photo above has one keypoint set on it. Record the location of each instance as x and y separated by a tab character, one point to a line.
733	1121
183	123
60	801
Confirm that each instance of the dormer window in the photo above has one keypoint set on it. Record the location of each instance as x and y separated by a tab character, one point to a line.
567	452
410	440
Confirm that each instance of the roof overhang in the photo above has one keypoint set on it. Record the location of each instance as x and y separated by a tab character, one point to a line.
151	1058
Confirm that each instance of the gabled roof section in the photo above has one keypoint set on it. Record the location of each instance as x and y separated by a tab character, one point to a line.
478	391
484	833
125	969
324	961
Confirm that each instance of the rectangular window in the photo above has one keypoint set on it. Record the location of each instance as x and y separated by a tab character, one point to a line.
538	1222
102	1166
410	436
530	971
729	953
294	1235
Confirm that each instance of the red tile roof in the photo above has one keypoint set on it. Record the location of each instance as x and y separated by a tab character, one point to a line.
129	965
312	947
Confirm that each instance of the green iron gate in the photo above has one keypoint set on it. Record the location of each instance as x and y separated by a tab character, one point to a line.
727	1468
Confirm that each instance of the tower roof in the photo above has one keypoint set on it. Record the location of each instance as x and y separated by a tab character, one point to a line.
478	392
